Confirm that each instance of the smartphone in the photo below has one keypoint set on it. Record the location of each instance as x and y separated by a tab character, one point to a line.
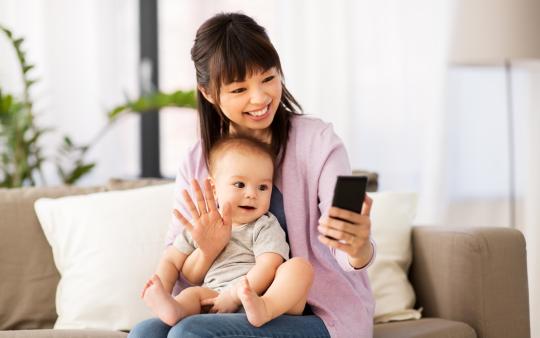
349	193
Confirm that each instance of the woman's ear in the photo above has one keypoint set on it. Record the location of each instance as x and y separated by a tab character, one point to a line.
206	95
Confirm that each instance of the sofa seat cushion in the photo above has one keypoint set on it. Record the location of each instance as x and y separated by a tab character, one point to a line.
62	334
424	328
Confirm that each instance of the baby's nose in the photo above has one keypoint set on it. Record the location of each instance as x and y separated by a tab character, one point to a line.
251	193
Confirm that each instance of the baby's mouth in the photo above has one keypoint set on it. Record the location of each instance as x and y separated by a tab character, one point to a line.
247	207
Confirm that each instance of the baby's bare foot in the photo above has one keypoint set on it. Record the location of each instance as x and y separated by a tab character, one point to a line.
162	304
255	307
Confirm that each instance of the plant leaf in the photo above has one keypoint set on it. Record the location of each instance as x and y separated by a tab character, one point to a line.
27	68
78	172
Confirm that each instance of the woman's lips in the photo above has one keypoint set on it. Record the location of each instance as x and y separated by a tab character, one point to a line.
260	117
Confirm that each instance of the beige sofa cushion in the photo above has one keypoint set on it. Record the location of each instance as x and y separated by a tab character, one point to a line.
29	277
123	184
424	328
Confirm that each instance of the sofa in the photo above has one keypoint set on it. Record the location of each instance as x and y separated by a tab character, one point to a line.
469	281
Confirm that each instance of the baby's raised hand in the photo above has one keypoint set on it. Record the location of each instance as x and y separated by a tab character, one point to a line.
210	230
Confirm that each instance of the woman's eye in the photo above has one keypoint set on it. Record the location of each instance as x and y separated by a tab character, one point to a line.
263	187
239	184
270	78
238	90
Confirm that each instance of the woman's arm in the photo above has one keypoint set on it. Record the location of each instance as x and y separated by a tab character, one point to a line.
353	248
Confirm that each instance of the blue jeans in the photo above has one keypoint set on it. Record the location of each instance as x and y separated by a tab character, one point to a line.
230	325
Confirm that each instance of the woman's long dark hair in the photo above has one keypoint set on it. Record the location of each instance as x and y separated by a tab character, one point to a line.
228	47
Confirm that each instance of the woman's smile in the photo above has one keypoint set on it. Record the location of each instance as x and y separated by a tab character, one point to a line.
260	114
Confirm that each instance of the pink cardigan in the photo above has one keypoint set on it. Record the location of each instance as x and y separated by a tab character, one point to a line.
340	295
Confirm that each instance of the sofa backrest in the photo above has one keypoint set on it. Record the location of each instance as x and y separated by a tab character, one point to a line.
28	274
29	277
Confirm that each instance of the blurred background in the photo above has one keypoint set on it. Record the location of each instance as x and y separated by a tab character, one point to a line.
392	76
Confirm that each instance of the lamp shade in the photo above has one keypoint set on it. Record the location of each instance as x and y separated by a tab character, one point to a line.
489	32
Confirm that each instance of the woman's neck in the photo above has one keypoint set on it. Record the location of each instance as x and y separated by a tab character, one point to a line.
264	135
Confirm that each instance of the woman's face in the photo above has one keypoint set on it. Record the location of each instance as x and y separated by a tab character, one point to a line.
251	104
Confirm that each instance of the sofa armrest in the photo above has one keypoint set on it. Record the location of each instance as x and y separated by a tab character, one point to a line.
476	275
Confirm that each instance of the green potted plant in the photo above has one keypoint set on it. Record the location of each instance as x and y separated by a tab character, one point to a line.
21	153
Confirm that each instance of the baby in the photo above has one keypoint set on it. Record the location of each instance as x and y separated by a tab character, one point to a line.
241	170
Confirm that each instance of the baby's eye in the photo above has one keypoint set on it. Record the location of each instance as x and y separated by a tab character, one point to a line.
263	187
239	185
268	79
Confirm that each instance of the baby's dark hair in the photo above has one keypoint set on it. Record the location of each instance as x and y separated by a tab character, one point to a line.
241	143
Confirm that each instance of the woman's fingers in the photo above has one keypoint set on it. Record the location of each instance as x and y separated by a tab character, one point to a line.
335	244
368	202
199	197
345	230
344	214
182	219
340	225
337	234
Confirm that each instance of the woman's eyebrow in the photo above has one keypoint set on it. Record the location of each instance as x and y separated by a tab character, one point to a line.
264	73
234	83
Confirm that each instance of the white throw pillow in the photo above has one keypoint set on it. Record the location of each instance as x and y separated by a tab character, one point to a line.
391	219
105	245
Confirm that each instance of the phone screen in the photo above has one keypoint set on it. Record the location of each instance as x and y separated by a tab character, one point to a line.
349	193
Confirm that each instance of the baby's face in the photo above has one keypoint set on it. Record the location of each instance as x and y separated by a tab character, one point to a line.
244	181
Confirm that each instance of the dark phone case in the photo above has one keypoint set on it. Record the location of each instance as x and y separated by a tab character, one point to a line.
349	192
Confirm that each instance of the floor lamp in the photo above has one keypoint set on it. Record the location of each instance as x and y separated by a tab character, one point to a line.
498	33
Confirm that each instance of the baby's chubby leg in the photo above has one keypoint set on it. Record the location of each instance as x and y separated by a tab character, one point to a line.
287	293
172	309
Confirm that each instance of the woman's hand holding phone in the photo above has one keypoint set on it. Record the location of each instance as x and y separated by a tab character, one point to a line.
348	230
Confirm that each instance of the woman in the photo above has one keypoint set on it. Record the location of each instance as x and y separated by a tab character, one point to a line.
241	90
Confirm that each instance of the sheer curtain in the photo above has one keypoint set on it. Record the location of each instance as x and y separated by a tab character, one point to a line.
531	182
86	56
376	70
